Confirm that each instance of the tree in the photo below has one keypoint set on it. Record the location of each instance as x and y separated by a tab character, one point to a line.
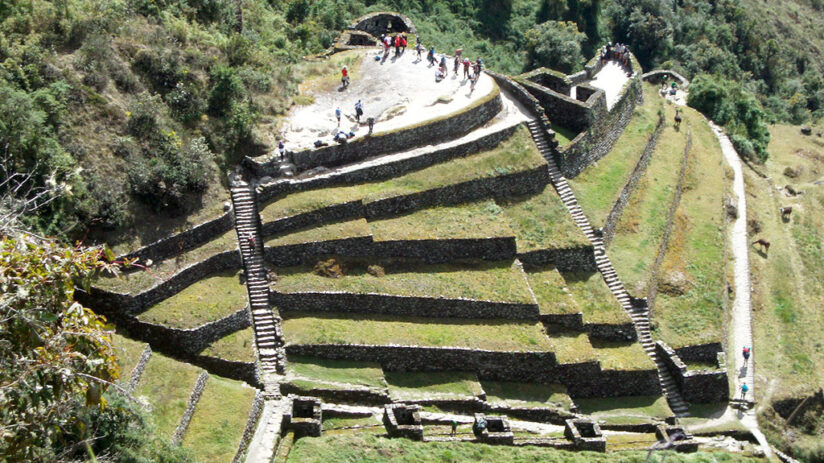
556	45
56	355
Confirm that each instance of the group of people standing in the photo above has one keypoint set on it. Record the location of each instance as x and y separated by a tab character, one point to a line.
399	41
618	52
471	70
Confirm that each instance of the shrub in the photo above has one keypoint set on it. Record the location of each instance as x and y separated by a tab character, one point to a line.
162	67
227	89
186	102
556	45
143	116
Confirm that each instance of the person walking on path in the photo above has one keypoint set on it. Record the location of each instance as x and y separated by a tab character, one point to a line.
744	390
344	77
371	122
443	66
419	48
454	428
431	56
746	354
397	45
358	110
466	66
281	149
337	115
404	43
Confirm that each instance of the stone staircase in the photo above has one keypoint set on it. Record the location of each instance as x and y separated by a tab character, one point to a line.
640	316
265	323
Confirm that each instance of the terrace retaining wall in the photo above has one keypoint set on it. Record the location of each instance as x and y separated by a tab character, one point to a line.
428	132
566	260
183	241
251	426
407	306
347	395
700	352
584	379
567	111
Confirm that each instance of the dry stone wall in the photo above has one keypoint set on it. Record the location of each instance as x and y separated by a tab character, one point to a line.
697	386
184	241
449	127
407	306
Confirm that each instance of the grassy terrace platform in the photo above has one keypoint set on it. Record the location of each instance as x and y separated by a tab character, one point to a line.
214	297
167	384
598	186
433	385
364	446
355	228
139	280
622	356
219	420
527	394
516	154
237	347
626	410
493	335
638	234
339	371
696	248
542	222
481	219
495	281
560	293
128	353
572	347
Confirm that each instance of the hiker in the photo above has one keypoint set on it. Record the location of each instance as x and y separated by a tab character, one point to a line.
454	428
439	74
344	79
431	56
479	426
443	66
358	110
457	65
337	115
744	389
419	49
674	88
397	45
281	149
466	65
371	122
341	137
473	82
250	239
404	42
746	354
478	67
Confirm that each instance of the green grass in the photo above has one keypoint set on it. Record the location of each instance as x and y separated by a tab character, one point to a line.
626	410
633	441
622	356
482	219
527	394
516	154
219	420
598	186
494	335
354	228
638	233
340	371
432	385
140	280
212	298
551	292
482	280
166	385
572	347
366	447
594	298
237	347
128	353
696	247
338	423
542	221
563	134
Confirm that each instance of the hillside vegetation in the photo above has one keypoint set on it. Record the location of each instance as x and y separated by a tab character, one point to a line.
135	108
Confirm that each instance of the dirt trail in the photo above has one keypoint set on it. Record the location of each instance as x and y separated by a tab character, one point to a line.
741	322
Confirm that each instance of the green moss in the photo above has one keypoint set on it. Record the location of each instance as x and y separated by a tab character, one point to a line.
482	219
212	298
482	280
626	410
516	154
355	228
527	394
219	420
594	298
236	347
432	384
625	356
166	385
542	221
495	335
341	371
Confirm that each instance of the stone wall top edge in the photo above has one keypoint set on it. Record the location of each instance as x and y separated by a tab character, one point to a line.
396	296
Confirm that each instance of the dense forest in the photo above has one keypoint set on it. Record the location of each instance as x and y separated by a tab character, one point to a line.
130	108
